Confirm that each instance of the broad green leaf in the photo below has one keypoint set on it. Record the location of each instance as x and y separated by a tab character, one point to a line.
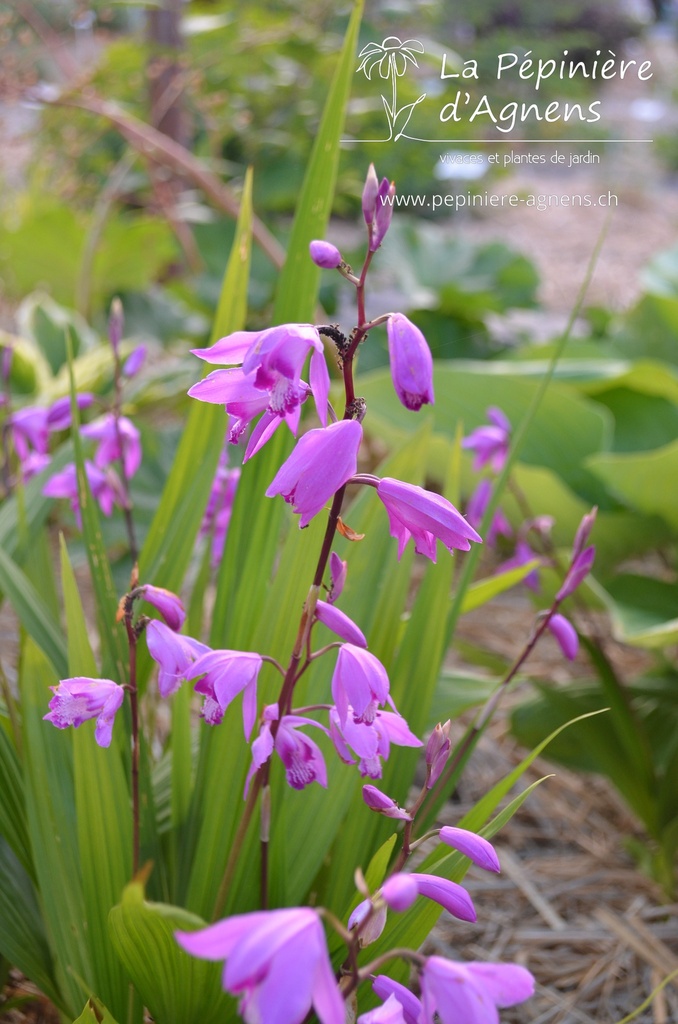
103	815
176	988
644	610
52	825
643	480
33	612
649	329
95	1013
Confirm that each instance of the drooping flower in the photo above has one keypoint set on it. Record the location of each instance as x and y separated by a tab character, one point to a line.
411	362
167	603
321	463
173	653
390	1012
59	413
29	431
340	623
386	988
424	516
565	634
359	681
399	891
78	699
325	255
471	992
276	962
383	804
490	443
475	847
475	510
302	758
226	674
116	440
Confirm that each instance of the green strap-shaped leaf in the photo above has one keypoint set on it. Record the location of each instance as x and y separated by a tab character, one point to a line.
34	613
103	816
176	988
95	1013
13	824
50	806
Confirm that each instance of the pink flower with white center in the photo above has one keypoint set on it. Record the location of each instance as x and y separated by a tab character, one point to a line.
271	363
174	655
301	757
226	674
276	963
115	442
411	362
78	699
321	463
565	635
359	681
490	443
425	517
471	992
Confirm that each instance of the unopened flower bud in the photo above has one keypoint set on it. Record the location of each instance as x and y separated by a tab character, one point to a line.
411	362
370	195
565	634
399	891
437	752
378	801
473	846
383	213
167	603
134	361
374	926
325	255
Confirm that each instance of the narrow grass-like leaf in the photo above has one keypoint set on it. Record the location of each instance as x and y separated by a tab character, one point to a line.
50	805
103	815
176	988
33	612
105	596
485	590
95	1013
13	824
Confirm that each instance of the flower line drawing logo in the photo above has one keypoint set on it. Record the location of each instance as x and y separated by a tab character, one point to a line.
391	57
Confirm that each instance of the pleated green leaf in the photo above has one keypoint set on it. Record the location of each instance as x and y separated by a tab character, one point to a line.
103	815
176	988
50	806
105	595
34	613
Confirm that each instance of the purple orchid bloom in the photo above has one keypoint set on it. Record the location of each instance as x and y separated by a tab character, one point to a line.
78	699
490	443
473	846
387	989
276	962
565	634
115	442
174	655
339	623
411	362
167	603
321	463
226	674
29	430
370	741
325	255
359	682
383	804
424	516
105	487
471	992
301	757
59	413
475	510
217	517
269	377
